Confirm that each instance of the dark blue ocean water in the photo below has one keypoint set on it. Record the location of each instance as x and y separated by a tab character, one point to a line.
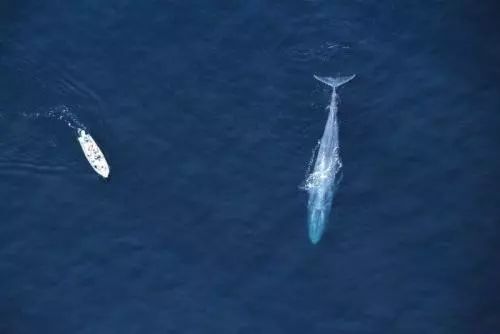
208	112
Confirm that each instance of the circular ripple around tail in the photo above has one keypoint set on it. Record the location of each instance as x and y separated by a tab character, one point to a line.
324	52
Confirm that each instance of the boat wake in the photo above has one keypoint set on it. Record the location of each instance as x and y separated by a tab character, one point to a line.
91	150
61	113
21	167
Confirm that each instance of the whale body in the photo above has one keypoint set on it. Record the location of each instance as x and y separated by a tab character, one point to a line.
321	183
93	153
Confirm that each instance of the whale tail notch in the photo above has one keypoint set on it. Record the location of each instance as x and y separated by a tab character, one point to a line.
335	82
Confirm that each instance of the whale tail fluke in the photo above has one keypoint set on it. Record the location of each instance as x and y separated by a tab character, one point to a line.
335	82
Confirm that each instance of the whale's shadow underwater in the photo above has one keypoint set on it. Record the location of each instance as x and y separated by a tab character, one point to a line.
322	182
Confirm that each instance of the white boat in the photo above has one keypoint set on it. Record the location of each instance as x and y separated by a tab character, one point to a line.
93	153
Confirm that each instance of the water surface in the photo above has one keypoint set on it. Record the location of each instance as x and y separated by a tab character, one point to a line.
207	114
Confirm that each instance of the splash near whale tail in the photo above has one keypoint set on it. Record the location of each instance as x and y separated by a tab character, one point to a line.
335	82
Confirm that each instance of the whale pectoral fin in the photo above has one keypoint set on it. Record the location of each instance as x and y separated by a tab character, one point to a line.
339	177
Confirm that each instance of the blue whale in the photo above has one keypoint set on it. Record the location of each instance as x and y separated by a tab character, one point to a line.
322	182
